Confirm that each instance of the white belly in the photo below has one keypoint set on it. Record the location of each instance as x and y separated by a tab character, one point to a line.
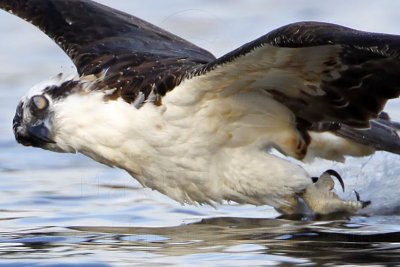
197	146
209	147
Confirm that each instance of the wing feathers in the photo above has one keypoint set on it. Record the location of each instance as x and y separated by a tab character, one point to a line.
135	55
382	135
85	29
322	72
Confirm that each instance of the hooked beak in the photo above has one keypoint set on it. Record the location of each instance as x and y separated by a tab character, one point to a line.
40	134
37	135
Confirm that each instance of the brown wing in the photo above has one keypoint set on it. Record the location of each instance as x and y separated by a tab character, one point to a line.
322	72
139	57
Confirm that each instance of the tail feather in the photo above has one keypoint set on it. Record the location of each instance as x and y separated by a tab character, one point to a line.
382	135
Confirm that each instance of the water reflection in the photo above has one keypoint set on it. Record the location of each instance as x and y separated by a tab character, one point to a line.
227	240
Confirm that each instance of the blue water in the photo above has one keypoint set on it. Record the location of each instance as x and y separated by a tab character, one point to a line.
66	210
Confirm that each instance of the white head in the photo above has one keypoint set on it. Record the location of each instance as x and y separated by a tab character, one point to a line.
33	120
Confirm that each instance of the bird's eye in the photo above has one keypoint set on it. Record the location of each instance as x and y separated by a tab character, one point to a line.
39	102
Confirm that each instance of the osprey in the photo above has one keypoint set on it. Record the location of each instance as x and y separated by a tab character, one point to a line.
203	130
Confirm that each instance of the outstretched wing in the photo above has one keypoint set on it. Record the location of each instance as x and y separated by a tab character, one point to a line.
139	56
322	72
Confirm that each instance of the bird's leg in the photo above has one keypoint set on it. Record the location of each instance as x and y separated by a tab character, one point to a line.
321	200
293	206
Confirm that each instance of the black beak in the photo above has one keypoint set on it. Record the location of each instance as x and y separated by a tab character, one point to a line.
39	134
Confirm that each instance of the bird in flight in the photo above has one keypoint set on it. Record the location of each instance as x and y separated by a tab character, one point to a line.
203	130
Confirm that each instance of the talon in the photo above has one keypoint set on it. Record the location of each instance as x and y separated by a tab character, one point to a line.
357	195
363	203
321	200
335	174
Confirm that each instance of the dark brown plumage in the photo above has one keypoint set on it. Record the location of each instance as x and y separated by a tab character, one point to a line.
137	54
137	57
368	63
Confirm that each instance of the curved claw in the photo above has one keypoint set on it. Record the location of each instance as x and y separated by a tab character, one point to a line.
363	203
334	173
357	195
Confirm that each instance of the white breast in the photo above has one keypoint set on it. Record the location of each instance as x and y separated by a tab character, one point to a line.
198	146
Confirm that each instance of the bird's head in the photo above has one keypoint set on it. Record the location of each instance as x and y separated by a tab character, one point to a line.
71	114
33	122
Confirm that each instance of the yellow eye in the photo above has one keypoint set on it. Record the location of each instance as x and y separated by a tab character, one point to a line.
40	102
